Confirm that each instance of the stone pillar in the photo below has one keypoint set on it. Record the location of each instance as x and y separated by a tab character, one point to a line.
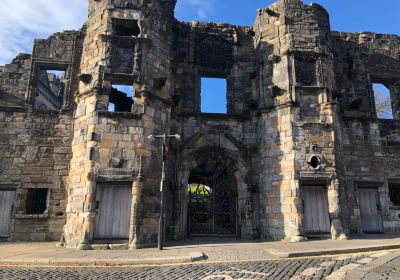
337	231
136	209
395	98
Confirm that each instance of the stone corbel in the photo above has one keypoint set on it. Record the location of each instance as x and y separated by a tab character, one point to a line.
274	58
275	91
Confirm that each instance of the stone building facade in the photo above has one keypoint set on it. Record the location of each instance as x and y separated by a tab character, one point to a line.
299	154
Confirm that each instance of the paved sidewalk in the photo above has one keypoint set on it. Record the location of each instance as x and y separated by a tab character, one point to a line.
211	250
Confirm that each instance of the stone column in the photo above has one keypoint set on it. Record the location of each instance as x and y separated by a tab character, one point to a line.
136	209
337	231
395	98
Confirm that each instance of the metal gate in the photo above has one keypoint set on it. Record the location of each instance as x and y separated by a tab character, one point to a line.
213	206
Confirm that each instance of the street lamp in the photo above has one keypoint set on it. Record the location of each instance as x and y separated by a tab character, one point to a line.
163	137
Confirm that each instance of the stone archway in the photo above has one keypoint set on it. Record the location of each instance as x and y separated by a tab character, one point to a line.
224	172
213	196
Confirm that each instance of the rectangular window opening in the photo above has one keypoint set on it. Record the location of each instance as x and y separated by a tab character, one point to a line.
121	98
126	27
36	201
50	90
383	104
213	95
394	193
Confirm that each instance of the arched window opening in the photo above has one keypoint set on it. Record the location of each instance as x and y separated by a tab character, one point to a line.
383	103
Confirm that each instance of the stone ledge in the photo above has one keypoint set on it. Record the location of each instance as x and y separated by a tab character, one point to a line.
123	115
28	216
79	261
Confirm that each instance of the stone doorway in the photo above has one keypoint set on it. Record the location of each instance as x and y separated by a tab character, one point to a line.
113	211
213	203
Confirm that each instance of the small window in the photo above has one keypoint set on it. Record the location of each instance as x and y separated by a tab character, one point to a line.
50	90
121	98
213	95
383	103
126	27
394	193
36	201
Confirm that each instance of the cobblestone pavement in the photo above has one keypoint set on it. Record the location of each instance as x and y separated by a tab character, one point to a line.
331	268
236	254
389	271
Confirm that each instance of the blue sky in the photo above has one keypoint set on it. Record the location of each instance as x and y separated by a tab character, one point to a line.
25	20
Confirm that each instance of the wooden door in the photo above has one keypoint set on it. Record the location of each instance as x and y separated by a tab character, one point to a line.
6	205
370	210
316	211
113	211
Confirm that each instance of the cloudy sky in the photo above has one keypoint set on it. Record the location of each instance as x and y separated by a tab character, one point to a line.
24	20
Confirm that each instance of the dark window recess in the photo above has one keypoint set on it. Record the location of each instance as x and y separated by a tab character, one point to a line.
36	201
126	27
314	162
394	194
306	72
121	99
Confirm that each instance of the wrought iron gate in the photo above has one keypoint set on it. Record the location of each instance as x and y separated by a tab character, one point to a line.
213	206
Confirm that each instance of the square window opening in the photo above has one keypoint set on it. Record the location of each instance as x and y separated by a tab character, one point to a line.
50	90
383	104
394	193
213	95
36	201
121	98
126	27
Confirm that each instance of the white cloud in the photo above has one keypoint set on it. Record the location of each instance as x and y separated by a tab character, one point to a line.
203	9
26	20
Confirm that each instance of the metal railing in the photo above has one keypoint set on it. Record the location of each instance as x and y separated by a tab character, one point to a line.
36	201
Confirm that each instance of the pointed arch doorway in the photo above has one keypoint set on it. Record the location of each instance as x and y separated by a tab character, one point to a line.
213	197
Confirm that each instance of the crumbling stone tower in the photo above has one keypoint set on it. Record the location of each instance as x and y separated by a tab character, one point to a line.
296	77
300	152
126	43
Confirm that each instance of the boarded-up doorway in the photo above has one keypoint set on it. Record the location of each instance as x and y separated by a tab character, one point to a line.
6	205
370	210
113	203
316	211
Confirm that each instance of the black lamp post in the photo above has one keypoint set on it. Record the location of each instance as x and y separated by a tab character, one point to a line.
163	137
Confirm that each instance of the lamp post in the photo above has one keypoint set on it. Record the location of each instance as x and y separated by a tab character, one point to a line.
163	137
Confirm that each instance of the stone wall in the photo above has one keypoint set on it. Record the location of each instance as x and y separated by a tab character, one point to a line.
35	153
14	79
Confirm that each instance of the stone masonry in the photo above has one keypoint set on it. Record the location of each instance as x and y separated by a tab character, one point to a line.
300	114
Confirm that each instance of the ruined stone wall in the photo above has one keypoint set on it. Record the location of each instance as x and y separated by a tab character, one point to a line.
35	153
295	79
14	79
360	60
390	142
300	111
36	144
213	51
120	136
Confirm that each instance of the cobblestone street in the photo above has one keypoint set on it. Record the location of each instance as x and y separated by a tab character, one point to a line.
388	271
296	269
